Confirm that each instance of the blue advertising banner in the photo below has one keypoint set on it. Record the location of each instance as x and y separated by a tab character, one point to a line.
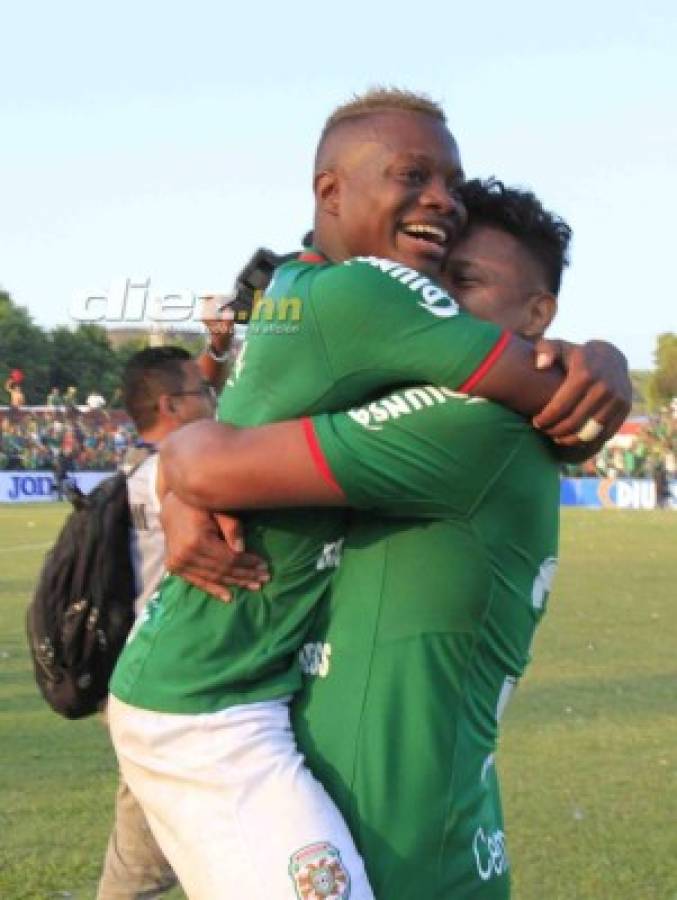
32	487
612	493
593	493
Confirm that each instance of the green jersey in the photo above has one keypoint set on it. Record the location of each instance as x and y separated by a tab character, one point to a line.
324	337
426	631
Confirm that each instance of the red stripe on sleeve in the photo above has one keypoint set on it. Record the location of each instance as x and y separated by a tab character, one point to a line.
489	360
319	458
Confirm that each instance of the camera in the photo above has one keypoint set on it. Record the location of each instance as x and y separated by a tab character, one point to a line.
255	276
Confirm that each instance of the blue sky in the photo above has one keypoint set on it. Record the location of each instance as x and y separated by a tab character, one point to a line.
167	141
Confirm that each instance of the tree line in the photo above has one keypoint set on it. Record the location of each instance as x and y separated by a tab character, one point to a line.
59	357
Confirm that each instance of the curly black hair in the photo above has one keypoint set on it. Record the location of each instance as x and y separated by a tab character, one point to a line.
521	213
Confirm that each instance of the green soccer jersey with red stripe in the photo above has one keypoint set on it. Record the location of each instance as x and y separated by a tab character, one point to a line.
324	337
426	631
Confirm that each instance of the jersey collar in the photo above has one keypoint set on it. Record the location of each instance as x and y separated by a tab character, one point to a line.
312	255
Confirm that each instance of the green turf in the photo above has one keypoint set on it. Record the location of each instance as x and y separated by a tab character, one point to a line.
57	778
588	755
589	750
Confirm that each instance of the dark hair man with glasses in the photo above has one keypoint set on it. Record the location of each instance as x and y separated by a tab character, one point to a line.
163	388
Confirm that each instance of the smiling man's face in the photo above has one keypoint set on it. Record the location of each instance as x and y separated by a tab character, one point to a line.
390	190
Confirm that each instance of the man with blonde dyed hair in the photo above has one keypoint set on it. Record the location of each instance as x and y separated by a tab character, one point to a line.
200	721
378	100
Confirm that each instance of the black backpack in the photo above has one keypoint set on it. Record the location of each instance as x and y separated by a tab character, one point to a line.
83	606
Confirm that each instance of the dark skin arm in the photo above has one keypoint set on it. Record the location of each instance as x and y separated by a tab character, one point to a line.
255	468
239	469
272	465
596	385
244	468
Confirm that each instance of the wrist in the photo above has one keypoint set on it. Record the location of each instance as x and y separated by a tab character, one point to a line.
219	351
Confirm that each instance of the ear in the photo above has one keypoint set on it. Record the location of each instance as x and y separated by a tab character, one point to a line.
326	186
166	405
542	309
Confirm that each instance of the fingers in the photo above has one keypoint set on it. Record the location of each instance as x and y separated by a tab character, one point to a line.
210	587
249	582
199	549
611	418
211	561
570	408
246	570
252	580
596	404
196	550
563	401
218	570
231	529
243	569
596	386
201	566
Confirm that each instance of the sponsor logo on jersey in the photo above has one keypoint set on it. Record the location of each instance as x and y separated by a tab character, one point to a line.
404	403
433	298
318	873
314	659
490	853
330	557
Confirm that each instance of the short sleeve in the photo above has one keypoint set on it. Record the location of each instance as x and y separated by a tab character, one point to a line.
379	317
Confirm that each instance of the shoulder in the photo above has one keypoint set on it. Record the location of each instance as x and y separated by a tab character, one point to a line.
138	465
433	416
142	483
381	278
484	421
432	420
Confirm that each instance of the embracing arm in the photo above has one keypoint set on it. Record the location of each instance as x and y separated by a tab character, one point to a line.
581	383
215	466
418	336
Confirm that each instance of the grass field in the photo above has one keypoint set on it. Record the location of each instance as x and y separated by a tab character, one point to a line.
588	755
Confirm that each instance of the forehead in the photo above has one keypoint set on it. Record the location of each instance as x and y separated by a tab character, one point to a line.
486	245
397	133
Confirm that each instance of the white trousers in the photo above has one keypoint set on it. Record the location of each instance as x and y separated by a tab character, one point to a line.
233	807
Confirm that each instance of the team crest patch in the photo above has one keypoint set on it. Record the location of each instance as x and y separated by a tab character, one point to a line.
319	874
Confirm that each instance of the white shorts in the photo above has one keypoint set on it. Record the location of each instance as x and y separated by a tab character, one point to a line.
233	807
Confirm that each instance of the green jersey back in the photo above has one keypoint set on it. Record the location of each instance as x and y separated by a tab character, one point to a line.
324	337
426	631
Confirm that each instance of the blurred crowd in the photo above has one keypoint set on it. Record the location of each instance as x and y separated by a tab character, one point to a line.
94	437
57	400
645	447
63	436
